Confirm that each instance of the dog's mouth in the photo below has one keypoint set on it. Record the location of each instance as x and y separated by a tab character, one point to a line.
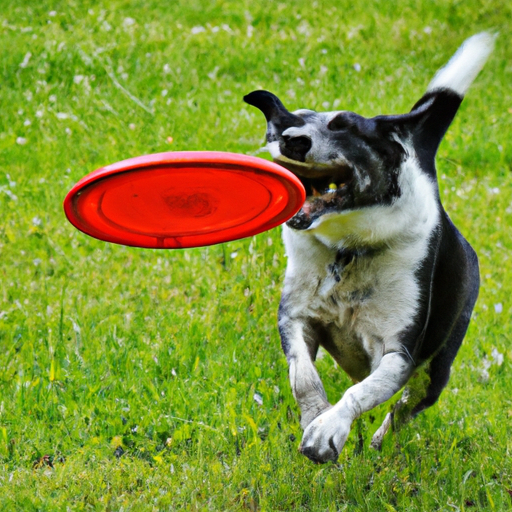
329	186
328	189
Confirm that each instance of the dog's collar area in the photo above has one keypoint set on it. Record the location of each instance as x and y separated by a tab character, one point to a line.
345	257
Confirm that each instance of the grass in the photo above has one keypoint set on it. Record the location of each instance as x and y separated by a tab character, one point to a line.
127	376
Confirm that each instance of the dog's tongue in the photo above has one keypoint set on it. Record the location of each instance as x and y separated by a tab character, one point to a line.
274	111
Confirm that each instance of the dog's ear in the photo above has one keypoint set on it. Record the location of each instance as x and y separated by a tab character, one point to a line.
427	122
277	116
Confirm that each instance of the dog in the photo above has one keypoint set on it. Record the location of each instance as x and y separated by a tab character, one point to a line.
377	274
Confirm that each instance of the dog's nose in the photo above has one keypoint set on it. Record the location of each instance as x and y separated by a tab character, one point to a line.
296	148
274	111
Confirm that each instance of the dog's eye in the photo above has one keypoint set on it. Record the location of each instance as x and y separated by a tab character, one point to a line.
340	122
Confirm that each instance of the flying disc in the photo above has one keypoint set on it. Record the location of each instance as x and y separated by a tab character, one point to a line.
183	199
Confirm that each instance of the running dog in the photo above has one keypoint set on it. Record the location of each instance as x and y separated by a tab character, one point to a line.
377	273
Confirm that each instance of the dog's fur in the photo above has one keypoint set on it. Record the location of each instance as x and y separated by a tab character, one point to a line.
377	273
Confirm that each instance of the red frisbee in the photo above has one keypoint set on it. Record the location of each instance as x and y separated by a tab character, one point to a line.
183	199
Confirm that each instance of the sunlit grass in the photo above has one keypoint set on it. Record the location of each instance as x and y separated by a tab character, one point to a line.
154	380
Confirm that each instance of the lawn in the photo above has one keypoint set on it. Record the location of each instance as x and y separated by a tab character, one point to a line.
144	380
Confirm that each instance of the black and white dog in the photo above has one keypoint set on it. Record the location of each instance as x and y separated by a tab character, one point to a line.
377	273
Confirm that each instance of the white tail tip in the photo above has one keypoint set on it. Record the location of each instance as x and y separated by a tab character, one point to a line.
465	65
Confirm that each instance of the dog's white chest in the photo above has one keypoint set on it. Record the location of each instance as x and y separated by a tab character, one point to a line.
362	303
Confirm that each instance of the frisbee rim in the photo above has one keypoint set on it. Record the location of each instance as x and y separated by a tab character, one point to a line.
285	181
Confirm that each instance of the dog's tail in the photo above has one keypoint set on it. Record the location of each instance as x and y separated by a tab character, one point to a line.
464	66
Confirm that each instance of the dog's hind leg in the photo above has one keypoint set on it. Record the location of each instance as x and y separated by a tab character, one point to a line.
402	411
440	366
426	385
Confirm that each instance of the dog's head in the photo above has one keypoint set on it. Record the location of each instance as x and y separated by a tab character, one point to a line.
346	161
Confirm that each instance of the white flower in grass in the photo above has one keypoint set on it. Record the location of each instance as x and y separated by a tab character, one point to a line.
197	30
497	360
497	356
37	261
213	74
258	399
21	141
129	22
26	60
12	183
484	375
498	307
76	327
36	221
9	193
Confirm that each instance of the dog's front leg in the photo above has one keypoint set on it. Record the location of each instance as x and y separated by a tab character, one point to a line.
300	347
325	436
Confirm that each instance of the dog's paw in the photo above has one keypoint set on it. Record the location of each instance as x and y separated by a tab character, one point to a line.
325	437
309	414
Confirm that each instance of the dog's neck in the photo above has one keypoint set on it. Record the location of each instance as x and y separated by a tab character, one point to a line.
411	216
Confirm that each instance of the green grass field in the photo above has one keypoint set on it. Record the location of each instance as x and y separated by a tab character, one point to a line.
128	376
